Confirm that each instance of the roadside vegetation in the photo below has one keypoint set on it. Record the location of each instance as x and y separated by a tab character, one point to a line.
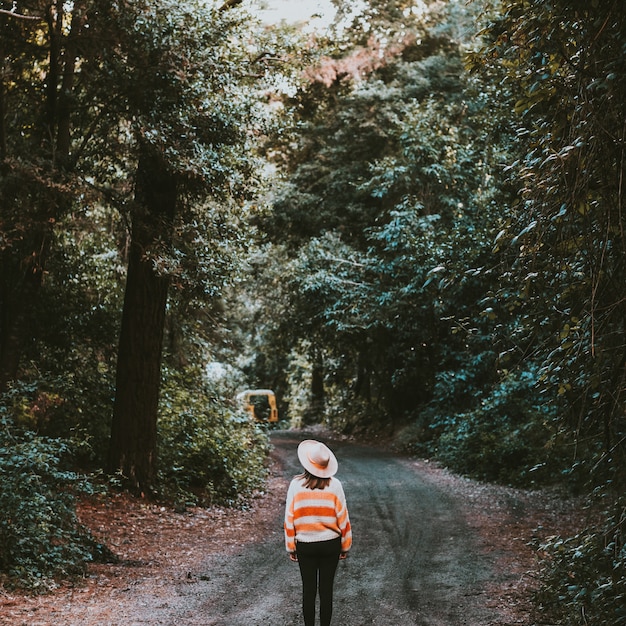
410	225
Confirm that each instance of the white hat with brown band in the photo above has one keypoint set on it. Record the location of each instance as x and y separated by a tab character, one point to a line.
317	458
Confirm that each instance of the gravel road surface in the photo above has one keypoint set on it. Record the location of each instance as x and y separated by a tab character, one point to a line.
413	560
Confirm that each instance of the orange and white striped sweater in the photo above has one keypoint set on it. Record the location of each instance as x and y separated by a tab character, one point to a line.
316	515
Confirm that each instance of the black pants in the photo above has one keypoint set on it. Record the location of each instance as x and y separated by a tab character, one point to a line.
318	564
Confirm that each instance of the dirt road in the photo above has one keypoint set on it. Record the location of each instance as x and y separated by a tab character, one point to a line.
413	560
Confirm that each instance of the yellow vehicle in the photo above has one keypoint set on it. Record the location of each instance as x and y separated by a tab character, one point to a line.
260	404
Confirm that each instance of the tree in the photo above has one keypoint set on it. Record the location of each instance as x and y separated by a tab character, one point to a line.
134	428
142	107
566	236
37	169
190	141
564	282
386	197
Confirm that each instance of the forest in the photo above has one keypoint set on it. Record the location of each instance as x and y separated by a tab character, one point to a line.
410	224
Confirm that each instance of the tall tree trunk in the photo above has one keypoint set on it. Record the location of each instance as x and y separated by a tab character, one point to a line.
65	98
19	289
3	112
362	384
22	265
134	429
318	396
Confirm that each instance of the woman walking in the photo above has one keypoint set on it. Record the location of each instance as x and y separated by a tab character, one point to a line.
317	527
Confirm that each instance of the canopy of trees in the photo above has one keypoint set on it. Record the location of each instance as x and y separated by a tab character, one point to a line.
412	223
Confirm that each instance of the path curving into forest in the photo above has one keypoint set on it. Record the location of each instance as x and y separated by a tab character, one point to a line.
423	555
413	562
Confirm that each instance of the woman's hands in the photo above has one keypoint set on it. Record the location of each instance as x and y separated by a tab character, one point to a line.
293	556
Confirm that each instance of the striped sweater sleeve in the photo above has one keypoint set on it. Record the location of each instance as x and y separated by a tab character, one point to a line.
343	519
290	530
316	515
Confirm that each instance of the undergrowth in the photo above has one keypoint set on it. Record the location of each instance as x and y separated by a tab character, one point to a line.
584	576
41	539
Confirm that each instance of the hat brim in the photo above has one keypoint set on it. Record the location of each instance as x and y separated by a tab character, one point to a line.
304	455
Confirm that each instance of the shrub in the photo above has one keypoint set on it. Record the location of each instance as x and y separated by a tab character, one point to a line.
210	451
584	576
510	437
490	448
41	538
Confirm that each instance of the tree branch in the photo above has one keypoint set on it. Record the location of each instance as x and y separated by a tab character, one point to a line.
229	4
19	16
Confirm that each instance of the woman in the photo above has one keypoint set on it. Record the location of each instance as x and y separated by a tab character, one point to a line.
317	527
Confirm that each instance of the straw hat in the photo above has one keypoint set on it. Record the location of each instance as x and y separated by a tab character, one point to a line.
317	458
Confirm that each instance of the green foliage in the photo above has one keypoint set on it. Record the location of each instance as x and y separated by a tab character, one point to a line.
41	538
73	353
210	451
168	69
560	304
510	437
564	242
388	202
584	576
80	100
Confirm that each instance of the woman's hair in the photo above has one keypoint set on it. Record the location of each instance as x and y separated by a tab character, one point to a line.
313	482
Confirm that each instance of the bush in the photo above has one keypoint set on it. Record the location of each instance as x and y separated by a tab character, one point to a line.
491	448
210	451
509	438
76	405
41	538
584	577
